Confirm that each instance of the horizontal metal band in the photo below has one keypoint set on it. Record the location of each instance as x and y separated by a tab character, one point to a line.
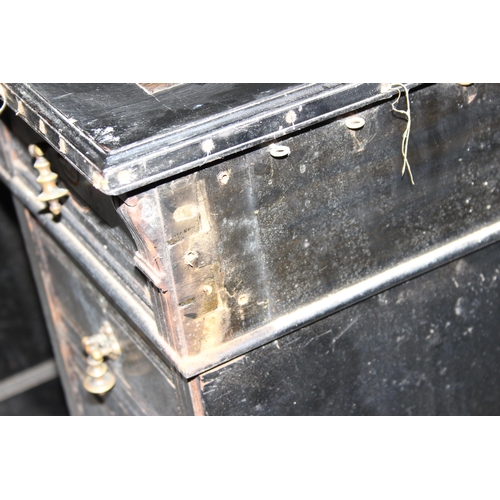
288	323
341	299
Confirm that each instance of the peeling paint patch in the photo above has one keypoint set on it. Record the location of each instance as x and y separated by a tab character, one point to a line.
208	146
459	307
63	147
99	182
186	212
42	127
20	109
105	135
291	117
125	176
472	95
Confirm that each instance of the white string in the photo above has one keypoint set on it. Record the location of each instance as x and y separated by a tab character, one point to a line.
406	135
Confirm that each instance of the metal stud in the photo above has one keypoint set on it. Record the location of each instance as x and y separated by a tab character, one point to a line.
355	123
277	151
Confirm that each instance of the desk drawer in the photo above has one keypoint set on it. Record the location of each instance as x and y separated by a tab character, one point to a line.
76	308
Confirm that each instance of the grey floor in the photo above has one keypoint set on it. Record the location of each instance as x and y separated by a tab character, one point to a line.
29	384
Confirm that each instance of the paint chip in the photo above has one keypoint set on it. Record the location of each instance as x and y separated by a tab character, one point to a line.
63	147
99	182
243	299
291	117
124	177
208	146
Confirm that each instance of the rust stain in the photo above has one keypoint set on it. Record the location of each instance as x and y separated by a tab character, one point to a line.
215	324
142	215
199	283
196	398
139	213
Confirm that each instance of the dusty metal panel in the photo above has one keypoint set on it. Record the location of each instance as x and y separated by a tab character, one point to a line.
272	221
283	241
429	346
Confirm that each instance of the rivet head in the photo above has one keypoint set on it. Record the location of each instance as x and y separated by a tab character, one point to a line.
279	151
223	178
243	299
355	123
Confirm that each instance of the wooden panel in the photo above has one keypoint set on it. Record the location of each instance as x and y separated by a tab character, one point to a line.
144	386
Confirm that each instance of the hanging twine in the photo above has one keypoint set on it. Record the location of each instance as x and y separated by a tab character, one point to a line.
406	134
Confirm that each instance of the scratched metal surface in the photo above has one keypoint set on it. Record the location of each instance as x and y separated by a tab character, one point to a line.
118	114
427	347
267	235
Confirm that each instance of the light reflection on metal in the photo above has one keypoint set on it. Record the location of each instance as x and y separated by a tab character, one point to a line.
99	379
51	192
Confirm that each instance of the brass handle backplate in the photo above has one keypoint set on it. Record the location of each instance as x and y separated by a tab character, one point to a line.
99	379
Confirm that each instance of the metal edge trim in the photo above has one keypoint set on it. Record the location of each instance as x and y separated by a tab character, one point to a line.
187	151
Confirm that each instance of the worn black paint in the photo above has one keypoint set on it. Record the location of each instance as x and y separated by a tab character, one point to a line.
336	210
249	114
285	232
145	386
427	347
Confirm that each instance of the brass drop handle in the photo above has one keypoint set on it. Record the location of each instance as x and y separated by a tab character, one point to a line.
99	379
51	192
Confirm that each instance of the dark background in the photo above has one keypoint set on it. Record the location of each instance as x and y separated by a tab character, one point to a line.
24	340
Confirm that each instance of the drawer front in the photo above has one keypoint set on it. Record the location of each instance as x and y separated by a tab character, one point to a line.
77	308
